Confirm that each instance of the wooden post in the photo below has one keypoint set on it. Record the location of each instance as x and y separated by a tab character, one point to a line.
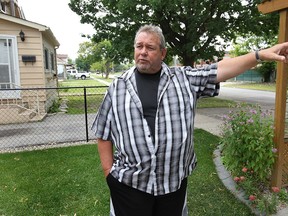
269	6
281	88
280	104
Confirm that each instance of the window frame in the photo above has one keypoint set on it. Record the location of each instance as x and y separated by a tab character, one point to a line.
46	57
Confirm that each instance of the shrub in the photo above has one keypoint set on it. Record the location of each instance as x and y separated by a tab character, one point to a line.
248	153
54	108
266	70
247	141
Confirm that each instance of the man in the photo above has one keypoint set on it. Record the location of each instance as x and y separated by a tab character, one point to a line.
148	116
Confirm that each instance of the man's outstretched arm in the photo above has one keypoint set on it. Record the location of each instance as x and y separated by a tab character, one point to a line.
229	68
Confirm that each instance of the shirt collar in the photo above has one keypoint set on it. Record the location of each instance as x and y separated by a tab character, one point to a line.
127	75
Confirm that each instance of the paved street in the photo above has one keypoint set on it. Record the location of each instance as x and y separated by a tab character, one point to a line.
265	99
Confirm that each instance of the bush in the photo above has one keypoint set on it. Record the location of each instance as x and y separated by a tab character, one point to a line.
54	108
248	153
247	141
266	70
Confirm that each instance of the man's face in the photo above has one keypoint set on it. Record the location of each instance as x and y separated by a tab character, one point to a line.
147	53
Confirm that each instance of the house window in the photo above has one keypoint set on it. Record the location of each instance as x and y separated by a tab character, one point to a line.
52	61
46	59
9	68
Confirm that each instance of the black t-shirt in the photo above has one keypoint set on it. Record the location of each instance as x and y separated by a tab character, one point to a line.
147	86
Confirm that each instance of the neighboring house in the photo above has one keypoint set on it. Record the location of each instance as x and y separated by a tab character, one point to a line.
62	61
27	60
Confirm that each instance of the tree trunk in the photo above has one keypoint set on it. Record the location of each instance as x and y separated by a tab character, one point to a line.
107	65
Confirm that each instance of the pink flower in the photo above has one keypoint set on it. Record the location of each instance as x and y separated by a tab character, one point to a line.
244	169
250	121
252	197
242	178
236	179
275	189
253	111
274	150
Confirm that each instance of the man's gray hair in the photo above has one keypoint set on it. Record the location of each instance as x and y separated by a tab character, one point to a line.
151	29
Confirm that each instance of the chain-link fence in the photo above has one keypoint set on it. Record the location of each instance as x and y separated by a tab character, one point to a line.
36	116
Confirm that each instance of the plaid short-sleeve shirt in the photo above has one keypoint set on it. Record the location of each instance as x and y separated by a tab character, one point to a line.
154	166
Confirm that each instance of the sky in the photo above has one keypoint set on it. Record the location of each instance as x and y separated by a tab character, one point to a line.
64	23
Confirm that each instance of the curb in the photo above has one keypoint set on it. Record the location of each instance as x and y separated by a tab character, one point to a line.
228	181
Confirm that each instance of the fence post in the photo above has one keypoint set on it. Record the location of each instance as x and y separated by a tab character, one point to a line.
86	115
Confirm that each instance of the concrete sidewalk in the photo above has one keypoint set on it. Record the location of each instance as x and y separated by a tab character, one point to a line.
212	124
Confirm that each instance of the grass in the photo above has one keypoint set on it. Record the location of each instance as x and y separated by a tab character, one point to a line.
75	96
79	82
63	181
206	193
69	181
76	103
214	102
253	86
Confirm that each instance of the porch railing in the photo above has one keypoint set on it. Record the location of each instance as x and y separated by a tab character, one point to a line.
28	100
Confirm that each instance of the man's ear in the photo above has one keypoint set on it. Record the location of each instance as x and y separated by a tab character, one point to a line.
164	52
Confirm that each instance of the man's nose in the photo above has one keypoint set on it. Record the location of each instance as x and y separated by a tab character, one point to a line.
144	51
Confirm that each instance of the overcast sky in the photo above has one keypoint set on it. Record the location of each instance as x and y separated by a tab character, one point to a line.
64	23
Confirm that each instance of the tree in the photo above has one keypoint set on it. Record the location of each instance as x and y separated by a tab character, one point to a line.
91	52
106	54
70	61
82	64
85	56
194	29
98	66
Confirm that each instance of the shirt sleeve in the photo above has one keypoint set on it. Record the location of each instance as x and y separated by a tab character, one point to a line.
101	125
203	80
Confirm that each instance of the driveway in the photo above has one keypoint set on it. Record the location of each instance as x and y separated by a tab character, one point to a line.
58	128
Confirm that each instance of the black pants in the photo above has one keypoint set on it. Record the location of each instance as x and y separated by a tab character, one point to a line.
128	201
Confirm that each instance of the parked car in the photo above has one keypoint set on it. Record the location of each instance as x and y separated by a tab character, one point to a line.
72	72
78	75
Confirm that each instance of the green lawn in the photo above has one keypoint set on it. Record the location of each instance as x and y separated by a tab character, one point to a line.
214	102
253	86
79	82
69	181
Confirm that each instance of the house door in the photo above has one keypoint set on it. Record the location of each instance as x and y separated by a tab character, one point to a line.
9	70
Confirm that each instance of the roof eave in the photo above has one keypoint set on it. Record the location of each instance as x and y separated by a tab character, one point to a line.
42	28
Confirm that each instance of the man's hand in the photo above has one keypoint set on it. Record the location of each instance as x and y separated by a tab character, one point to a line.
106	172
278	52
